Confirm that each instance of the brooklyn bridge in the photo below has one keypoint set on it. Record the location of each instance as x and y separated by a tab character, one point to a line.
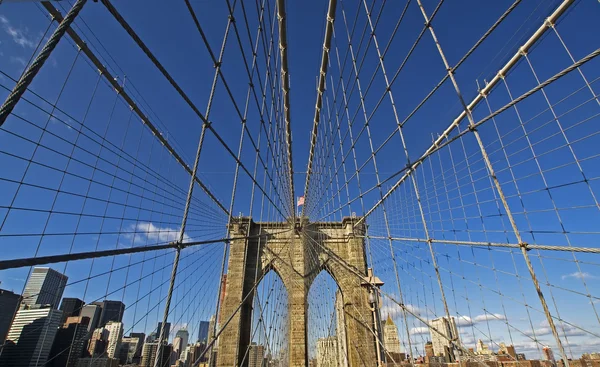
314	183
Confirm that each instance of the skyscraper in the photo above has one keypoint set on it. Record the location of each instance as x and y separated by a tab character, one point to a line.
446	329
44	287
149	355
391	341
115	334
177	346
98	342
134	343
69	343
9	302
211	328
167	331
30	337
93	313
71	307
340	316
212	353
111	311
184	335
203	331
195	351
327	352
256	355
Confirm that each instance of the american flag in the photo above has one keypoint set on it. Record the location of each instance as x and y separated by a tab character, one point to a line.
300	201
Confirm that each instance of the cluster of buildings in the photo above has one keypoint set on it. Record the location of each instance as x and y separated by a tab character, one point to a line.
35	331
440	351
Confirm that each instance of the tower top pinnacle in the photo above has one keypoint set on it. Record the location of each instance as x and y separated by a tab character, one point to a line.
389	320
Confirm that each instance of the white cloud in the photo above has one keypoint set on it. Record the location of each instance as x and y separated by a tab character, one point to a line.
464	321
489	317
18	60
19	36
396	311
148	233
579	275
421	330
564	329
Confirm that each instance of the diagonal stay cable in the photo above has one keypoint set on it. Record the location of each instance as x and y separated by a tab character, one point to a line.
285	88
499	76
41	260
113	82
320	90
119	18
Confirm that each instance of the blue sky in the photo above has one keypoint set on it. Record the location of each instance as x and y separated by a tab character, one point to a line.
146	194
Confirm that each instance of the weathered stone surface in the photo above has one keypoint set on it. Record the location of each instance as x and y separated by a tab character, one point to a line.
297	252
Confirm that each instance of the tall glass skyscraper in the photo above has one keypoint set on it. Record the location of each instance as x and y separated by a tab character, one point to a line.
30	337
44	287
203	331
9	302
111	311
71	307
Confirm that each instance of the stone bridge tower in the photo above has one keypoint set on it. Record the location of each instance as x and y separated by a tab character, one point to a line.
297	253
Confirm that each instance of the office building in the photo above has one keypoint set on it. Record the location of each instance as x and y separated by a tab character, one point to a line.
177	346
391	341
327	352
445	329
195	351
203	331
149	355
340	318
167	331
510	350
93	313
70	342
98	342
123	353
133	344
181	338
98	362
549	355
44	287
71	307
429	349
185	336
211	328
256	355
30	337
151	338
9	303
115	334
482	348
111	311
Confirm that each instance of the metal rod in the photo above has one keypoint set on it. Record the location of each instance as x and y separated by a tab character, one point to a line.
285	87
592	250
492	174
320	90
503	72
29	74
42	260
145	120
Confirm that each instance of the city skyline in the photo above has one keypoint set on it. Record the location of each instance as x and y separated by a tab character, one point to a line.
410	181
110	347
